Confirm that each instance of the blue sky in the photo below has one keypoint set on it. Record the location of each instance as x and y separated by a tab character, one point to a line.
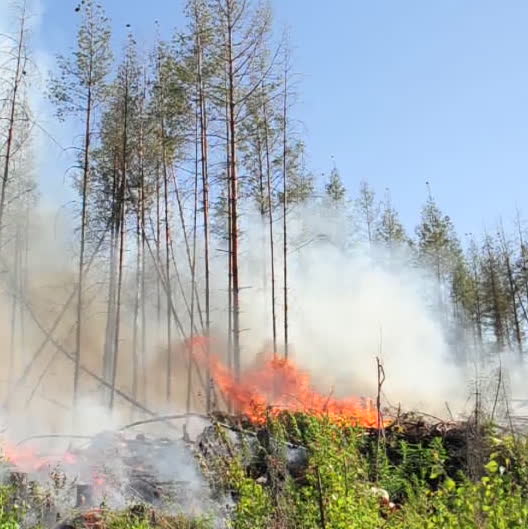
398	92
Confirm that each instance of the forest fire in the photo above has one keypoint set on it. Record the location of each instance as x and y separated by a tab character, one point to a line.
276	385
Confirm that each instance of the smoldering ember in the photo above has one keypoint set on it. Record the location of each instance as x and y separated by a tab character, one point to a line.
210	318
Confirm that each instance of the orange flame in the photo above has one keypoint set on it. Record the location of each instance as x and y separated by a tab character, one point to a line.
28	460
279	385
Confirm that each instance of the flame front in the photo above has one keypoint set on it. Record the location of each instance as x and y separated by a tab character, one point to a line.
277	385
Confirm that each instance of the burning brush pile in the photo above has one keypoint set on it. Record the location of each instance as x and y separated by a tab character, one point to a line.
284	436
111	470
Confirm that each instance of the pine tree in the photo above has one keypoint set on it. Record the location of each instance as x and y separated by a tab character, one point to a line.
389	230
78	91
368	210
494	296
244	33
335	189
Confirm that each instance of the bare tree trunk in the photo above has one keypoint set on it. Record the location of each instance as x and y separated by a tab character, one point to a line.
168	285
168	388
187	249
139	302
14	308
234	194
86	175
285	206
24	287
262	209
109	351
270	218
230	359
19	69
158	242
144	381
122	220
115	358
137	296
205	206
193	275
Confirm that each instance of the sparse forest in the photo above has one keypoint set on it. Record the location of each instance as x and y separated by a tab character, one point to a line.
194	195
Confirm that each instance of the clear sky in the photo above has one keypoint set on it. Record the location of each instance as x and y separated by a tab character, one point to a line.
398	92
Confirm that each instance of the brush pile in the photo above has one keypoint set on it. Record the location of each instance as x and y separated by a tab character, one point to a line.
166	475
113	470
464	442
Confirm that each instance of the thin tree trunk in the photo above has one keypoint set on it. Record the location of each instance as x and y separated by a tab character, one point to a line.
187	247
144	381
14	310
285	207
193	276
230	359
11	123
86	174
122	219
168	288
158	242
112	280
205	206
262	209
270	218
137	296
115	358
24	287
234	194
168	388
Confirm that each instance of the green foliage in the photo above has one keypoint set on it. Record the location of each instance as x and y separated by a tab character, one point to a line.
11	510
343	484
137	518
337	490
80	82
334	188
389	229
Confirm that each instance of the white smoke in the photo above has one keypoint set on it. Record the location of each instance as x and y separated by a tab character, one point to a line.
347	307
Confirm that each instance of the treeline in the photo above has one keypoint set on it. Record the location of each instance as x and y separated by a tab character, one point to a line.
179	146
